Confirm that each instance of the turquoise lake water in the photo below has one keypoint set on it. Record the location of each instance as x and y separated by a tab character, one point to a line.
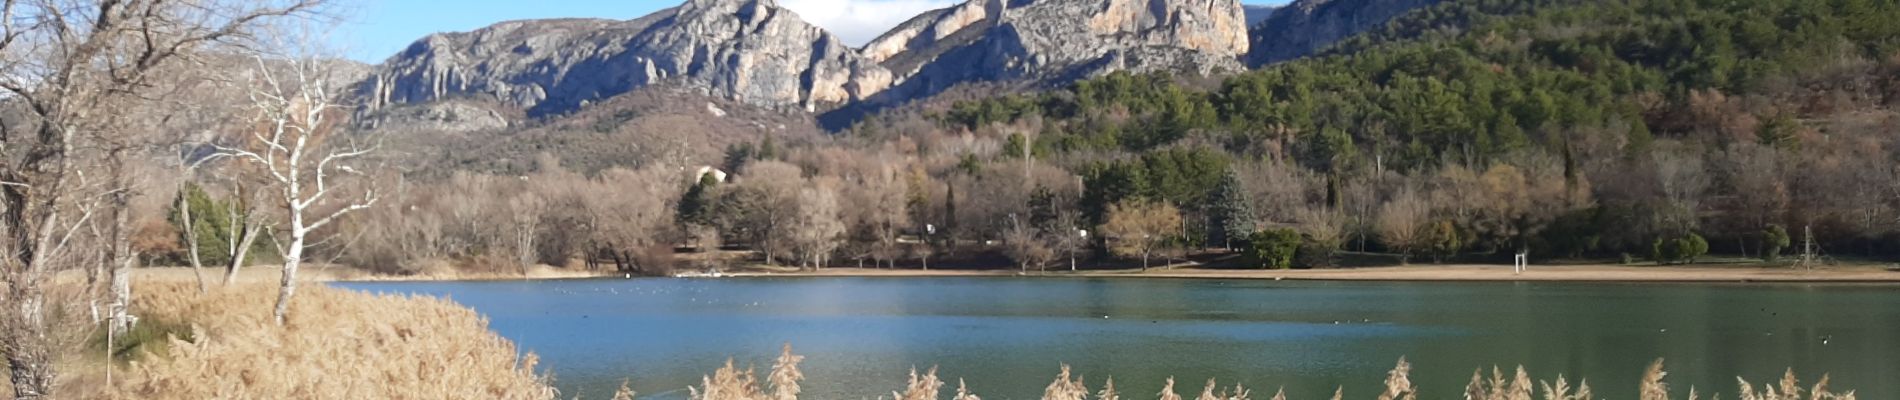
1007	336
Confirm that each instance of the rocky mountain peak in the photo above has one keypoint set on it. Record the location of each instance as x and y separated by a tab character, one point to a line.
751	51
1059	40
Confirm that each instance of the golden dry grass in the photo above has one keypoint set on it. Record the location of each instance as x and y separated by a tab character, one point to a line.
337	344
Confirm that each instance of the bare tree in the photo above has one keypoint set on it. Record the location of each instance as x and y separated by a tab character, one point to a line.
633	213
1025	244
247	223
763	207
526	207
1137	228
72	64
1683	179
296	117
1066	235
817	229
1401	222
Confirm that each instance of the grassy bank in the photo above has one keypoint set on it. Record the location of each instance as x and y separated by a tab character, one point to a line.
338	344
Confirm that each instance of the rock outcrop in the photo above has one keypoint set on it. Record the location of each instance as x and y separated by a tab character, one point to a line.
1059	40
750	51
1307	26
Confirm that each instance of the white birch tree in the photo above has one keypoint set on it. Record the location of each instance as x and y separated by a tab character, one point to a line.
296	143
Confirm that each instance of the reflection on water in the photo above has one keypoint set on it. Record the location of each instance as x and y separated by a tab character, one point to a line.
1006	336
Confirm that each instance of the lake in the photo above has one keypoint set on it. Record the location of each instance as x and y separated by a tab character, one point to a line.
1007	336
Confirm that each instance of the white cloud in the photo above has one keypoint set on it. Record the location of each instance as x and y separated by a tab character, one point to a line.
858	21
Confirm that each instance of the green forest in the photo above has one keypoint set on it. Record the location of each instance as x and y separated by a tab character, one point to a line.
1566	128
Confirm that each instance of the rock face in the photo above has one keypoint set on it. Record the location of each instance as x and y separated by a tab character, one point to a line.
1307	26
751	51
755	53
1059	40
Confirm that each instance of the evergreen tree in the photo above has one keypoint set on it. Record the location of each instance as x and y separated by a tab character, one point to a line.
695	207
1230	215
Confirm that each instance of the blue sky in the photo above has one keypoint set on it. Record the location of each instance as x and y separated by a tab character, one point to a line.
377	29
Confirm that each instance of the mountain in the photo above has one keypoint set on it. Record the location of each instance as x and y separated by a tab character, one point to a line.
1307	26
752	51
1058	41
1256	13
758	54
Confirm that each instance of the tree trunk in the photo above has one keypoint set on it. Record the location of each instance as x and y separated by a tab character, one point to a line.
29	361
241	252
119	251
191	240
292	258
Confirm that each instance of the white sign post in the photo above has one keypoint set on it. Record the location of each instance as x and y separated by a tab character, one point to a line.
1520	263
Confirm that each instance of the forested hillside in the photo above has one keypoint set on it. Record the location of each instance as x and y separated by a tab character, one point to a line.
1652	130
1567	127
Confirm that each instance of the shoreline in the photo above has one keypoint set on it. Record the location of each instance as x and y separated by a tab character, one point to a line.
1423	273
1583	273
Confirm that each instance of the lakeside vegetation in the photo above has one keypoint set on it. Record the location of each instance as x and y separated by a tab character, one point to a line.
782	383
224	345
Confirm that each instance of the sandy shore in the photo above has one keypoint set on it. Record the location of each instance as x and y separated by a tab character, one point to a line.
1456	273
1422	273
271	273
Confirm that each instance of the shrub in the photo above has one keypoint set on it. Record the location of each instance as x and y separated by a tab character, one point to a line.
1694	246
1773	240
1684	249
1275	248
1443	240
1313	254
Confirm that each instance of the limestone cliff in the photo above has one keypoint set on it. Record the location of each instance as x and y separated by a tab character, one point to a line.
751	51
1059	40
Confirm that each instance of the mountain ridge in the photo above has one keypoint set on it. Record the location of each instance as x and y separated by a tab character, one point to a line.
759	54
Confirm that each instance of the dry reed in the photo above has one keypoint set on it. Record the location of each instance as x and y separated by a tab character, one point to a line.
1652	386
1397	385
1167	392
920	387
963	392
1064	388
624	392
339	344
1236	393
1790	389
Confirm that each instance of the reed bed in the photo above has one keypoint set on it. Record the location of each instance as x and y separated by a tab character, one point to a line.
731	383
339	344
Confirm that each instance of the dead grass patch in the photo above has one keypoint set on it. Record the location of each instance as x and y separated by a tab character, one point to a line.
338	344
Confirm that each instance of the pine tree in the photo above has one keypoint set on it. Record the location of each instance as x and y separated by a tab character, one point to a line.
695	208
